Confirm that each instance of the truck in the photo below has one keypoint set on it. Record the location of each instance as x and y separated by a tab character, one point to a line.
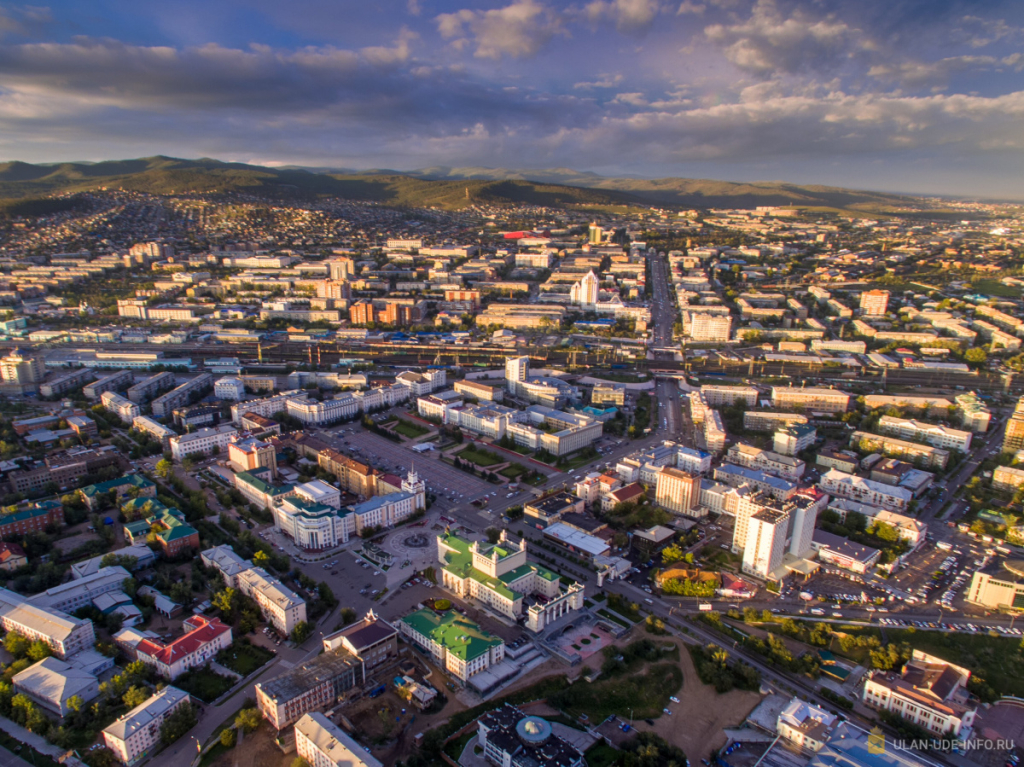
817	611
704	607
806	596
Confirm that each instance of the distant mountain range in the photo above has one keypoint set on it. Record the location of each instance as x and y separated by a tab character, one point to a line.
448	188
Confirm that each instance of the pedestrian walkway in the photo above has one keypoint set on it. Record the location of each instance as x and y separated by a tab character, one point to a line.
37	742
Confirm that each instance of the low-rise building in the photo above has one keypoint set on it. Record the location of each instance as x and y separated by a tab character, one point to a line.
135	735
205	638
154	429
865	490
928	692
929	433
281	607
322	681
51	682
120	406
844	553
805	725
455	643
372	640
322	743
65	635
550	508
204	442
510	738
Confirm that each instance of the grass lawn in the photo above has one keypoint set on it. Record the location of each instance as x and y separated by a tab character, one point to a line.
478	457
204	684
645	694
584	457
513	471
211	756
410	429
995	288
602	755
614	619
244	658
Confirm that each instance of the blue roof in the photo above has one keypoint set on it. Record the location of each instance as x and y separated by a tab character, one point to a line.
379	500
757	476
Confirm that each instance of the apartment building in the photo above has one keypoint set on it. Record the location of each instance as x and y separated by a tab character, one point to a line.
693	460
794	439
249	454
677	490
182	395
717	395
810	398
928	456
770	420
874	303
701	327
353	477
114	382
136	735
766	542
204	442
1013	436
383	511
34	518
120	406
865	491
480	391
281	606
62	384
68	597
974	414
149	387
931	434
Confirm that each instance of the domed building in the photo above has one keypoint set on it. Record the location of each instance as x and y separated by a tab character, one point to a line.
511	738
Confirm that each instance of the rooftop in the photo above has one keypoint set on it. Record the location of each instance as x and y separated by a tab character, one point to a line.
146	713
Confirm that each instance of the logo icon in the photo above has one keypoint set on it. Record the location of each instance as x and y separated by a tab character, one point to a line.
876	741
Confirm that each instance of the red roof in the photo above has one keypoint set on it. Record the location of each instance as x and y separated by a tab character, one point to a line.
8	550
207	631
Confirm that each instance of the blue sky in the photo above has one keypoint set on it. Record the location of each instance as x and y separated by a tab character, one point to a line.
902	95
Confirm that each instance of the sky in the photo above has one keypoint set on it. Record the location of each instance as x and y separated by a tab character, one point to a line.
923	96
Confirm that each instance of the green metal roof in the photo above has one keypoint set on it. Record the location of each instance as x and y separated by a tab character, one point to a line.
456	633
134	480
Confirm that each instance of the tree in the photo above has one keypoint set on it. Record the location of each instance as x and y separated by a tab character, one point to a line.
75	703
39	650
493	534
16	644
299	762
248	720
227	738
226	600
301	632
348	615
135	696
164	468
261	559
178	723
975	356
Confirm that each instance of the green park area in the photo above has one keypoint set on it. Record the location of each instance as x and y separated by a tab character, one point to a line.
410	429
243	657
478	456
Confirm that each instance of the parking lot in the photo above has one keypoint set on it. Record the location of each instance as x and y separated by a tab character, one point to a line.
442	480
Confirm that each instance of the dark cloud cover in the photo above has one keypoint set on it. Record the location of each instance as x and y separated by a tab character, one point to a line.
900	95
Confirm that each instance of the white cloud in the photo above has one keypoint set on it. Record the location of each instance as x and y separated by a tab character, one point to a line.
604	81
414	7
688	6
628	15
770	42
518	30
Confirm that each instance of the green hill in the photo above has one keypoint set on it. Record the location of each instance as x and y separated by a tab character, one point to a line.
449	188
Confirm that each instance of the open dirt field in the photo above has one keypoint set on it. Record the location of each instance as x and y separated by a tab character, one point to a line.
697	721
256	750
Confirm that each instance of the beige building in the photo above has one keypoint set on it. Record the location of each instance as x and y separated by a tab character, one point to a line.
322	743
251	453
136	735
718	395
929	693
678	491
805	725
810	398
874	303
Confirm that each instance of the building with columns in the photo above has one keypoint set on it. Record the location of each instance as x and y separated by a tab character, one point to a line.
501	577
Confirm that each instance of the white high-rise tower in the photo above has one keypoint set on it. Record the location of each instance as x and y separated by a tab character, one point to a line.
584	292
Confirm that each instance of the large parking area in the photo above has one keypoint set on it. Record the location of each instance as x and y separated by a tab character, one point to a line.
442	480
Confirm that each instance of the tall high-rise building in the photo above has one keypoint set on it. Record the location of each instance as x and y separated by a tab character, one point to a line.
595	234
766	542
708	328
584	292
341	268
874	303
21	367
516	371
1013	438
362	313
677	491
337	289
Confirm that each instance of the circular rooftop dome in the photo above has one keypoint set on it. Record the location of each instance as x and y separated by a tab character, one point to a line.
533	730
1015	566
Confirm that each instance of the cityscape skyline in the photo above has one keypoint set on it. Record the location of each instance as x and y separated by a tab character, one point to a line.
901	96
